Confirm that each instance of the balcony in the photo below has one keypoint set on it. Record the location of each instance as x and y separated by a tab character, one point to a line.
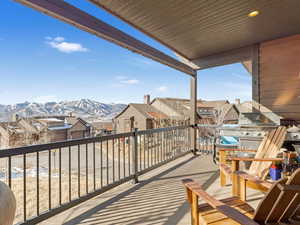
51	178
129	178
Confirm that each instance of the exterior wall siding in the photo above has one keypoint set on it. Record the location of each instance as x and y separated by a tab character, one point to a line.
280	76
123	121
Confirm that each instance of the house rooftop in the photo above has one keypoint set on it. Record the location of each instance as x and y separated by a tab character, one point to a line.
148	111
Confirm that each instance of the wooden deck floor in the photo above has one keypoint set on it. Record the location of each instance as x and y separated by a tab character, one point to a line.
159	198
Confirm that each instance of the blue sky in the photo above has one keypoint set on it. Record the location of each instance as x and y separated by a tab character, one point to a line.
43	59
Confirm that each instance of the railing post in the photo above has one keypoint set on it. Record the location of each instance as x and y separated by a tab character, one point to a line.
193	114
134	150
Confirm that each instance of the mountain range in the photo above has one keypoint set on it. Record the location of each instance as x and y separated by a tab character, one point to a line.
82	108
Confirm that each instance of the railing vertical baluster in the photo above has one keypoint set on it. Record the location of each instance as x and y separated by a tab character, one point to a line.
37	184
101	164
9	171
124	158
129	156
78	170
155	148
94	166
119	160
70	181
140	152
59	174
49	178
134	149
170	138
152	148
86	169
148	151
113	159
107	164
24	187
164	146
160	147
144	154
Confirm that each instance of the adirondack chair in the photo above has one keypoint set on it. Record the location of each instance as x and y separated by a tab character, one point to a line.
279	206
265	155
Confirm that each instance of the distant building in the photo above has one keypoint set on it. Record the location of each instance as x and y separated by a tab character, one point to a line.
39	130
102	128
140	116
164	112
20	133
79	128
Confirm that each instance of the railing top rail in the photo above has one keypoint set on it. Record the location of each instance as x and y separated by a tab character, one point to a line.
157	130
62	144
44	147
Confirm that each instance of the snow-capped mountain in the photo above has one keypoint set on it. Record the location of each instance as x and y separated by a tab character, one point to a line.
82	108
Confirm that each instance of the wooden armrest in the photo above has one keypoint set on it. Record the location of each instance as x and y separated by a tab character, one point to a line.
237	149
220	206
255	159
254	179
289	187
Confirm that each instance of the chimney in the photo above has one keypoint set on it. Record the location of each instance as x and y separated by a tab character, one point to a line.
15	117
237	101
147	99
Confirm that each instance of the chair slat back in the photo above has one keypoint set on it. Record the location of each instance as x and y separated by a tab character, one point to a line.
269	148
278	205
263	209
285	201
272	152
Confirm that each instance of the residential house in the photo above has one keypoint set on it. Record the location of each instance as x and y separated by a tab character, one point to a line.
227	114
102	128
164	112
19	133
180	109
29	131
140	116
79	128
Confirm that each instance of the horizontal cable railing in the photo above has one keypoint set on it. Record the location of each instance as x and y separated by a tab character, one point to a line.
50	178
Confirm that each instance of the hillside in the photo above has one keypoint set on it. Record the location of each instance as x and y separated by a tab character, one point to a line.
82	108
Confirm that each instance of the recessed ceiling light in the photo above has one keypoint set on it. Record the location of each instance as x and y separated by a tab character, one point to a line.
253	13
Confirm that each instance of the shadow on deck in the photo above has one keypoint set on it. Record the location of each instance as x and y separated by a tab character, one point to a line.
159	198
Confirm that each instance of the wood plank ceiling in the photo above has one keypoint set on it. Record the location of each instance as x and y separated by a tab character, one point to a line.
199	28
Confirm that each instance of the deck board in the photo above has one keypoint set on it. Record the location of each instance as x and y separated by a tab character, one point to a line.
159	198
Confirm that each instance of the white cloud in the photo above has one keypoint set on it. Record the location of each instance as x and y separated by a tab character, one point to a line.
45	98
59	39
162	89
63	46
120	77
123	80
132	81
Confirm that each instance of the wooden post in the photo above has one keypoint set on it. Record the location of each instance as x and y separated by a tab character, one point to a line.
193	113
242	189
255	78
222	160
194	209
235	178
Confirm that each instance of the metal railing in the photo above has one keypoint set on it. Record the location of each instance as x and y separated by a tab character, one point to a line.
50	178
206	136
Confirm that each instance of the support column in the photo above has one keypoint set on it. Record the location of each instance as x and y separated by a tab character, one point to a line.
255	78
193	113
